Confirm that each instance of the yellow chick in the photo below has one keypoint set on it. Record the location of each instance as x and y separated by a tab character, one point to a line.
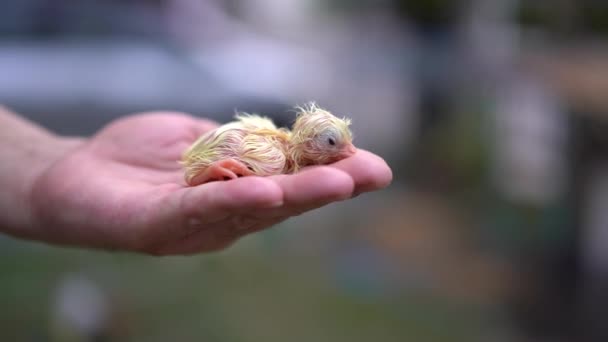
253	145
250	145
318	137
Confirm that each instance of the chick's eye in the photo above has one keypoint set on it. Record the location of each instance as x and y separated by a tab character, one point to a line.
331	141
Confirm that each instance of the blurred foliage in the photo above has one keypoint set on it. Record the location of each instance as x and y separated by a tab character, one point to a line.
565	17
453	156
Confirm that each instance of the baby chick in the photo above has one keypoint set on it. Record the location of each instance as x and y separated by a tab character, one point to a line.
318	137
251	145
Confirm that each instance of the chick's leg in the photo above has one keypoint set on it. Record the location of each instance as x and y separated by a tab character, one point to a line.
222	170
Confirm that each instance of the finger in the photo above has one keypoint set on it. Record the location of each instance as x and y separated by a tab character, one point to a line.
310	189
190	210
369	171
218	213
214	201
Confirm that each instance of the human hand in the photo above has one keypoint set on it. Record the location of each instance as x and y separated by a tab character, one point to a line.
124	189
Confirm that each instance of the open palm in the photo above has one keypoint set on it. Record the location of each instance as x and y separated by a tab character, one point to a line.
124	189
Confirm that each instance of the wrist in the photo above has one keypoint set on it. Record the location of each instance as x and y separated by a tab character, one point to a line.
54	149
27	150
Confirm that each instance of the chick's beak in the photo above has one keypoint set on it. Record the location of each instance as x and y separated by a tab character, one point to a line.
349	150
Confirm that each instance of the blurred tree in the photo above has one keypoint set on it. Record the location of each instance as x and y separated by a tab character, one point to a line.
565	17
431	15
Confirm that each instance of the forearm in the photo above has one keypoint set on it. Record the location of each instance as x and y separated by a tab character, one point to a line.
26	150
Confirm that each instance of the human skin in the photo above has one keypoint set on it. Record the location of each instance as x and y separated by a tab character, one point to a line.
123	189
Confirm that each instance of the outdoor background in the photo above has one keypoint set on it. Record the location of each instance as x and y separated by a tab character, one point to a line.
493	115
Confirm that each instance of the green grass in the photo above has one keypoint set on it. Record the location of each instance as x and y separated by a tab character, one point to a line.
240	295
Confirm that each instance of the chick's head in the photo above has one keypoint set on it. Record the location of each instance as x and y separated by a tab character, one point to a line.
319	137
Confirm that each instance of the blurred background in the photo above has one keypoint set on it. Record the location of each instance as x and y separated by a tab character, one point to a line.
493	115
